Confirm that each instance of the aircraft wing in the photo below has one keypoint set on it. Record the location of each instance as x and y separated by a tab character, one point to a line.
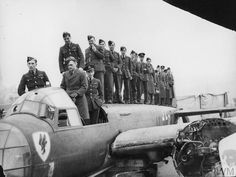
141	140
220	12
204	111
138	141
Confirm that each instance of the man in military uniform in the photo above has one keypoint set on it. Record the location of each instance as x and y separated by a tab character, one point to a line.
94	56
133	81
138	83
34	78
117	73
162	86
93	94
74	82
150	80
170	83
108	77
143	76
126	75
157	86
70	49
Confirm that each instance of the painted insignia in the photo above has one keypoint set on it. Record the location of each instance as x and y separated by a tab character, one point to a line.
42	144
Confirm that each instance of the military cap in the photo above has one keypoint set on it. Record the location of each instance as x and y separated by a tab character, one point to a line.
101	41
89	68
90	37
122	48
132	52
111	43
70	58
141	54
31	58
148	59
65	34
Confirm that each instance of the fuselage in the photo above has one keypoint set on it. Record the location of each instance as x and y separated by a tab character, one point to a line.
42	148
77	150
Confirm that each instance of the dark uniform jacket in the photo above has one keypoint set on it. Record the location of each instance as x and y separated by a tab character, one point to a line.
134	68
108	60
95	58
143	71
77	83
138	69
117	63
94	94
126	66
170	84
157	78
32	81
162	84
67	51
151	79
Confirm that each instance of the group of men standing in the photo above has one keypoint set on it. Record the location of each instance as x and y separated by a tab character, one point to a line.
116	71
107	72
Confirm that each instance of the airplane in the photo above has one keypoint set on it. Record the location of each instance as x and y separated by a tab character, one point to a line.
43	135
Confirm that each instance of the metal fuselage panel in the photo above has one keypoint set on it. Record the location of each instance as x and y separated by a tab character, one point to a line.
73	151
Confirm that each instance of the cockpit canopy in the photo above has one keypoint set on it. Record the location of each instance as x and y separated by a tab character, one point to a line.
46	103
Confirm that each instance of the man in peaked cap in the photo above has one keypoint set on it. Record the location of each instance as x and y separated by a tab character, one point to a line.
126	74
170	85
157	85
94	56
70	49
138	82
34	78
117	73
162	94
134	74
143	77
150	81
93	94
108	77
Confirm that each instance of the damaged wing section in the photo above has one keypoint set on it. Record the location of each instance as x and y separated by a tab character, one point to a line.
139	141
204	111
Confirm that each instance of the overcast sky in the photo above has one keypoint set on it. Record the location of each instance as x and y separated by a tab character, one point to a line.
201	54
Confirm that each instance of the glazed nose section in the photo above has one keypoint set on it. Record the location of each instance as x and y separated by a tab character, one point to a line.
15	157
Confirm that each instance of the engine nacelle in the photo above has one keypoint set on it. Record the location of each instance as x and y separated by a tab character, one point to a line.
196	151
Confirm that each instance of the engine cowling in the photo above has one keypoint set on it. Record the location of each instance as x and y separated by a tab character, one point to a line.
196	151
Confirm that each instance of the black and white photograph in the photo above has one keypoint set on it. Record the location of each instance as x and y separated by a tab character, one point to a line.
117	88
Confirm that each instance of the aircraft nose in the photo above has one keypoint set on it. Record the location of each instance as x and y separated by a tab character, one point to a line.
15	157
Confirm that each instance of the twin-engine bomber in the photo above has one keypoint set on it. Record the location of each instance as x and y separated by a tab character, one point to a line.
43	135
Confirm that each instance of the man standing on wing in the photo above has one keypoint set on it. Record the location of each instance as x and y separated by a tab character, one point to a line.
74	82
34	78
93	94
94	56
70	49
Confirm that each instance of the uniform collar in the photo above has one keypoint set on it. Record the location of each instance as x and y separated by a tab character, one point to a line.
32	72
69	45
90	79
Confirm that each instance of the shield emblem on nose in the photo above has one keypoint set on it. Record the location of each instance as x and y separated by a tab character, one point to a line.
42	144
